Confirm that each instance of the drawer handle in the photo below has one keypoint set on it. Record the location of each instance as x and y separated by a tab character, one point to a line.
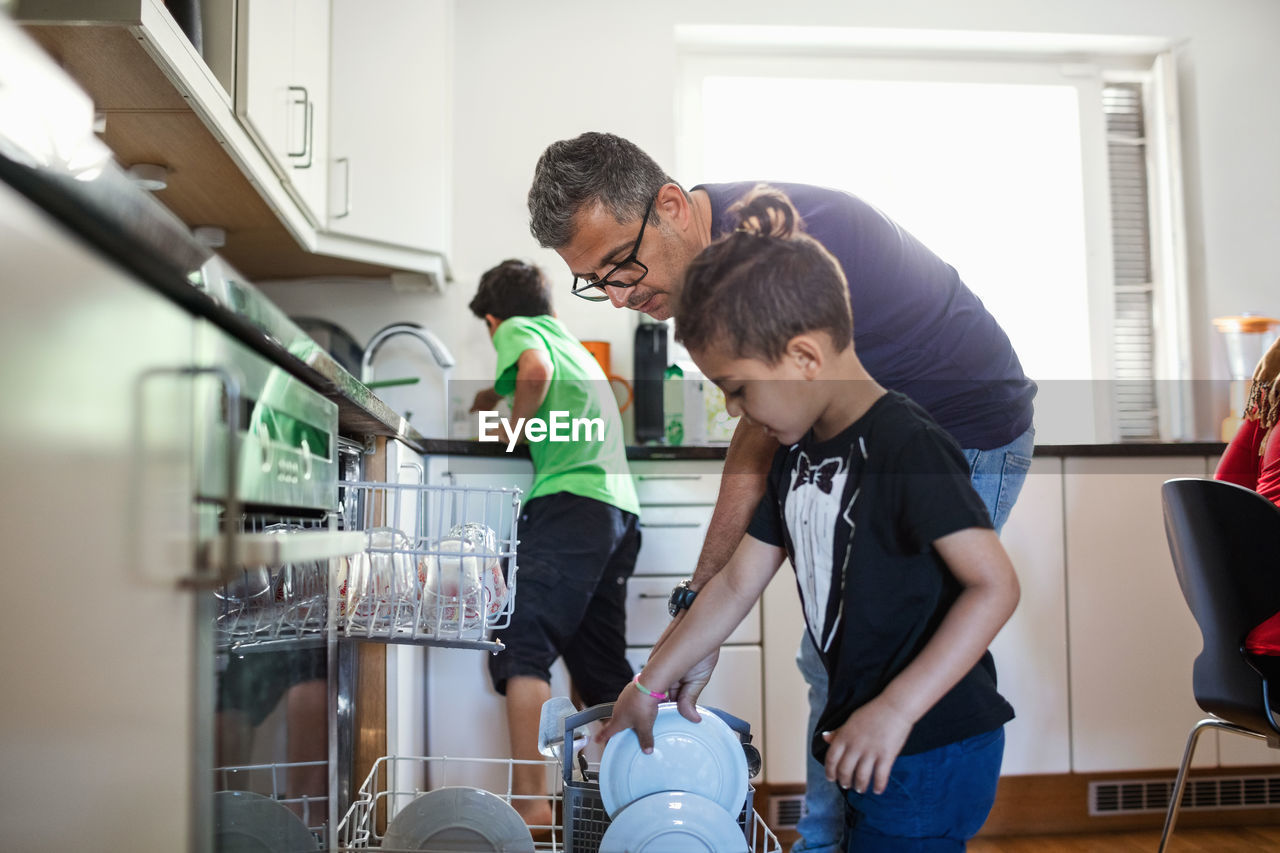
672	524
653	595
668	476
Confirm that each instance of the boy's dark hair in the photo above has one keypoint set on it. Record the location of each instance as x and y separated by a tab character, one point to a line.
512	289
762	284
590	168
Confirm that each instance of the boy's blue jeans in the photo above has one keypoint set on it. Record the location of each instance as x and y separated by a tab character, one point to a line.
997	475
935	800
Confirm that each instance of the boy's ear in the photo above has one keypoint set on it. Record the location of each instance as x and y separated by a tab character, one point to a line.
492	322
806	352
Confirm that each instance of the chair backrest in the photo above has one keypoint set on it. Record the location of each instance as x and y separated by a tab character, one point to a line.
1225	543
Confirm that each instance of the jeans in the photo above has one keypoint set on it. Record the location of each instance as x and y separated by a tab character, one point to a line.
997	475
935	801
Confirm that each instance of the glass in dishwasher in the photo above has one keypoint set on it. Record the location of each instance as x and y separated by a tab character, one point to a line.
440	566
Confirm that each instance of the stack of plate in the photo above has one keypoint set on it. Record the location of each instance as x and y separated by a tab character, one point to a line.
684	797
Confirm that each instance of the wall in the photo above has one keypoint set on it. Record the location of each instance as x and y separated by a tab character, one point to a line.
531	73
527	74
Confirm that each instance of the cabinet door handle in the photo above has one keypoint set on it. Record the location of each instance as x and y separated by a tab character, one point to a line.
668	476
671	524
306	111
346	188
309	138
208	573
664	597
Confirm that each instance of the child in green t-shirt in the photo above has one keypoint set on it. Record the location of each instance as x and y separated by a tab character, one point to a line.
579	532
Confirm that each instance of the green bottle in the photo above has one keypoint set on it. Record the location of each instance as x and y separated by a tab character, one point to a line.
673	405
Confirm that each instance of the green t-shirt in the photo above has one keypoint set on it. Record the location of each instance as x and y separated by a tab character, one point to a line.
594	463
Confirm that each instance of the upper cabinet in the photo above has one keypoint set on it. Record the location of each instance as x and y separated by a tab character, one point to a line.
315	136
282	92
390	121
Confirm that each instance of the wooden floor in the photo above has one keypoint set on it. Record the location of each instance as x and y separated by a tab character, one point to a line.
1248	839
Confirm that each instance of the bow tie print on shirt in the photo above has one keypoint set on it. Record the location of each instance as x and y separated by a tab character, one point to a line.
820	475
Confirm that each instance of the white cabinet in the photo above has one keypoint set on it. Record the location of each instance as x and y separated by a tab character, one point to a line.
786	701
1133	639
282	92
390	122
1031	650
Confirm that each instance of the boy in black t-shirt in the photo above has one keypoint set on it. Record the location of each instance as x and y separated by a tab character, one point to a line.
902	580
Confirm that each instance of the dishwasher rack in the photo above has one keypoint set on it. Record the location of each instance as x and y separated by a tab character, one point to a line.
383	794
274	605
273	780
389	788
438	567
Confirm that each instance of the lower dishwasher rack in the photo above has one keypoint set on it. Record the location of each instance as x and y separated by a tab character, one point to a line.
438	568
584	820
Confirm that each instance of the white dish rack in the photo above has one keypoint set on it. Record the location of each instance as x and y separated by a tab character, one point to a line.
275	781
276	603
382	796
416	581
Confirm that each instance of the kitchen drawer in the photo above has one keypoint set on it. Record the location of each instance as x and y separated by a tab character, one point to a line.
667	482
736	685
647	615
671	539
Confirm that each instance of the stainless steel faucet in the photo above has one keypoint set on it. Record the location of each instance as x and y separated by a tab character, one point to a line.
434	345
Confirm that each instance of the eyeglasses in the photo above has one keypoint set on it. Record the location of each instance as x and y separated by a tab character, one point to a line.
594	291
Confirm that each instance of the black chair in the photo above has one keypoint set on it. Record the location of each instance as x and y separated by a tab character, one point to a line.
1225	543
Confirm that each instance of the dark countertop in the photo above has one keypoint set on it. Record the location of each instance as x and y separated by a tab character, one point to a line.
450	447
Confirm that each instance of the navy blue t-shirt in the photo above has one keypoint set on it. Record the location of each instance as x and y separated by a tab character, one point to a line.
916	327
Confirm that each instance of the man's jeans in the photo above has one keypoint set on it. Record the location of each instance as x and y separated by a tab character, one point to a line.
997	476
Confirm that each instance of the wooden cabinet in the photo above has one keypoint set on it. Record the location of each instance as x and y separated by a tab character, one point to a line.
391	122
282	92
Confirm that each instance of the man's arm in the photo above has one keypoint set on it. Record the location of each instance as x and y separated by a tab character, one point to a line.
746	470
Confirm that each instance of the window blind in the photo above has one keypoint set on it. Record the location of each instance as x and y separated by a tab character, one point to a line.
1133	342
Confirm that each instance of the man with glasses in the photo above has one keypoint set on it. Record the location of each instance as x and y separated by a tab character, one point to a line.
627	232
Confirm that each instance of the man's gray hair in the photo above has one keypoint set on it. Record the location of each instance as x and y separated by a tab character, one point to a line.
593	167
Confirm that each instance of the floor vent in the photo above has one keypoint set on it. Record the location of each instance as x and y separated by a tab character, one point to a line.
1136	796
785	810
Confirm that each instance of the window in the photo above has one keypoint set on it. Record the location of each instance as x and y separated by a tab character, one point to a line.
1031	175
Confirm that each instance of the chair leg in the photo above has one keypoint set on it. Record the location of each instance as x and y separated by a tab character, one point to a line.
1180	783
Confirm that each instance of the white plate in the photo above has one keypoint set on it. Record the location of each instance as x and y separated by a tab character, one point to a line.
245	822
705	758
673	822
458	820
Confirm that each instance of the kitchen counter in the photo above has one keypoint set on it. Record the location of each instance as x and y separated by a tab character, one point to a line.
449	447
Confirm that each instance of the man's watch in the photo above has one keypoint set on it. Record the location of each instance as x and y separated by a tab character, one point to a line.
681	598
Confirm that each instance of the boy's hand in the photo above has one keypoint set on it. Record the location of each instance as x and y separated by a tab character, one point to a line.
862	751
632	710
485	401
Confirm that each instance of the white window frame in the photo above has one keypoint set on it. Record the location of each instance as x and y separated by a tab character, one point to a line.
1087	62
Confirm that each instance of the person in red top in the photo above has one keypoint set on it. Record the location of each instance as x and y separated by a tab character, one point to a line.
1252	460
